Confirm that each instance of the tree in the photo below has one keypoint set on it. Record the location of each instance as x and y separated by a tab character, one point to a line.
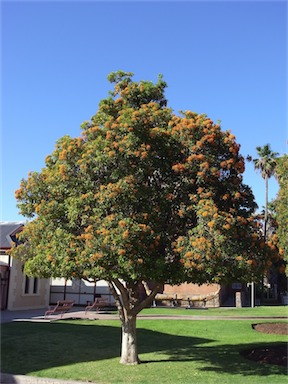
274	236
281	208
281	202
266	164
142	196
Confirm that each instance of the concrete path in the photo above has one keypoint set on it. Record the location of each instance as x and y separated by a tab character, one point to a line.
37	315
21	379
78	313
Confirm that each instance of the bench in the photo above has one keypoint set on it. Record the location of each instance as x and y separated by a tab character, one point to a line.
176	301
62	307
98	303
172	299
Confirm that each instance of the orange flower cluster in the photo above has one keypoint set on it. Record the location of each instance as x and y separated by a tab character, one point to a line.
195	157
179	168
170	196
62	155
62	170
86	236
122	224
104	231
142	151
96	256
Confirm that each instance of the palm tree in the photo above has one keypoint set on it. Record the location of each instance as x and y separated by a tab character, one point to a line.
266	164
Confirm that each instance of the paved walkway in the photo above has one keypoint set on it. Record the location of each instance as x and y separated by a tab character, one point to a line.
38	316
78	313
21	379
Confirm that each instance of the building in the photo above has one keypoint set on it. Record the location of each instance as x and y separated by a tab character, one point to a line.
18	291
82	292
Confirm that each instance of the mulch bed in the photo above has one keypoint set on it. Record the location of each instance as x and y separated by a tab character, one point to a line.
276	354
276	328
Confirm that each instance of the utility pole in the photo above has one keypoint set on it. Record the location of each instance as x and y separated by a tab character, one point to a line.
252	294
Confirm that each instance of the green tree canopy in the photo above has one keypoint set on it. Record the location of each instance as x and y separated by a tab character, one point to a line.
281	202
266	164
143	195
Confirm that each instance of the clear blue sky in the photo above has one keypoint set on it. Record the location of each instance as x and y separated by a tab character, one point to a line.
226	59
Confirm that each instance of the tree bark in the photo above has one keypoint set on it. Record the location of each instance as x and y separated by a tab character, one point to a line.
129	305
266	208
129	353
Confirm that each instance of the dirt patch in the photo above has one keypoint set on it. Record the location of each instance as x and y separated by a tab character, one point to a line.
276	354
276	328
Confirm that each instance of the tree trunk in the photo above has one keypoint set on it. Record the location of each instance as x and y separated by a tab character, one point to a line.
265	230
266	208
129	354
129	305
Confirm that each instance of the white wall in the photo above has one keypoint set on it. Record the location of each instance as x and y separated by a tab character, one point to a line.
82	292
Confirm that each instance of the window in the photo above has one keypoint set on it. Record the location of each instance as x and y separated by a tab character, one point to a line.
27	285
35	285
31	285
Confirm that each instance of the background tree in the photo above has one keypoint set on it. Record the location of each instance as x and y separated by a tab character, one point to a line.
281	208
266	164
281	202
276	275
144	195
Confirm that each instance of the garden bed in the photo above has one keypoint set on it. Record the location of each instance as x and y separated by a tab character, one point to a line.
276	354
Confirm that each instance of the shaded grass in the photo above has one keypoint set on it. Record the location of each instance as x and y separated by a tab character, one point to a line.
171	351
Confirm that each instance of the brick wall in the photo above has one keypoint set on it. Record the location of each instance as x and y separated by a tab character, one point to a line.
190	289
192	295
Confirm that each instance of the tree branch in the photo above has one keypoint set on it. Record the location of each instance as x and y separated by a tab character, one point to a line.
148	300
117	299
124	296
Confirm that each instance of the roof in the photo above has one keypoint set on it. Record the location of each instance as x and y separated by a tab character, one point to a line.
7	230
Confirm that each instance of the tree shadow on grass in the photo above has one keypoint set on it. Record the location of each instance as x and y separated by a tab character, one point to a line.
224	359
29	347
221	358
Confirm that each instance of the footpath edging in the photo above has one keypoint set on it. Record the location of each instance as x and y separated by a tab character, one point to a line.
6	378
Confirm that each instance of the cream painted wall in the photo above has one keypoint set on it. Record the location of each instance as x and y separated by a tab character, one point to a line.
17	299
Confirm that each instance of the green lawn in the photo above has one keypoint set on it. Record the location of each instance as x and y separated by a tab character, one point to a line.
222	311
184	352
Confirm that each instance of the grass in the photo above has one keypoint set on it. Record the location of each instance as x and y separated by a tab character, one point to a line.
171	351
222	311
